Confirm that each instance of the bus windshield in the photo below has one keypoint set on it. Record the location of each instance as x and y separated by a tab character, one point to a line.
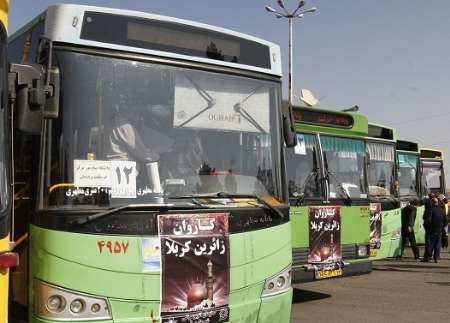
381	170
138	132
344	163
302	168
407	174
432	173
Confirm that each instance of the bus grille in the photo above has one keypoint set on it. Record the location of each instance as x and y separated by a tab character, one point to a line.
300	255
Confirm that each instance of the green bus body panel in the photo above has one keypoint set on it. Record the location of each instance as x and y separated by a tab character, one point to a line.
61	258
359	129
419	230
391	225
354	226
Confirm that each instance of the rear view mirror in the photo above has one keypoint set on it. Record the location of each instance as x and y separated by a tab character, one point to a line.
26	89
289	133
51	107
33	99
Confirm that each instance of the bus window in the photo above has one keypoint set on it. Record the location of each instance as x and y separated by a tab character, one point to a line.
303	169
432	176
344	161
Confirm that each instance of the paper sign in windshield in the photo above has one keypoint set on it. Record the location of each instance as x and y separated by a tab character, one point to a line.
324	234
375	225
300	148
118	175
209	103
92	173
195	275
124	179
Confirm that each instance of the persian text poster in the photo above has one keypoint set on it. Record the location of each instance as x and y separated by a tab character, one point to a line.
324	234
195	275
375	225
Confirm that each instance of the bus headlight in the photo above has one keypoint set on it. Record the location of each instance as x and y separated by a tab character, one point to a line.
362	251
56	303
278	283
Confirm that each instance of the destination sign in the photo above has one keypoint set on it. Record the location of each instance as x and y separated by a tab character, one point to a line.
407	145
330	119
381	132
434	154
173	37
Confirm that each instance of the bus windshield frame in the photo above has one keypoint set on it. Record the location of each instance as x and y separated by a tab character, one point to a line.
432	169
408	185
5	146
113	107
381	170
340	160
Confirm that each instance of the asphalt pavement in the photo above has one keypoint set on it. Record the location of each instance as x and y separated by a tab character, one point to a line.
396	291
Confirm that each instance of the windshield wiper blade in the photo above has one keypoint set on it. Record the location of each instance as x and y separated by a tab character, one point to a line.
102	214
225	195
300	197
205	95
238	108
342	189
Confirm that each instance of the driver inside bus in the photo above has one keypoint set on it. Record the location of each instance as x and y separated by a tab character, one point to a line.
131	139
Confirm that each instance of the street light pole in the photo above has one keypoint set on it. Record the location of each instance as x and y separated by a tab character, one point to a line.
291	64
297	13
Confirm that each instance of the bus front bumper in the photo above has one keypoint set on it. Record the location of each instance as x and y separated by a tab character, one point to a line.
306	272
275	308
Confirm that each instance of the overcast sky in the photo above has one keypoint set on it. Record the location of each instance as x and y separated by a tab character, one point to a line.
390	57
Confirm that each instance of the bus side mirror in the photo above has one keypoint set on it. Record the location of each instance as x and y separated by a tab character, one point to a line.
289	133
27	93
51	107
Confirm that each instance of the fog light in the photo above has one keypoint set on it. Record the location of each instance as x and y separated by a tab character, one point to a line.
56	303
362	251
278	283
95	307
281	281
77	306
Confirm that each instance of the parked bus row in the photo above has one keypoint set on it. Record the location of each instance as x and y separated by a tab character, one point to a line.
153	174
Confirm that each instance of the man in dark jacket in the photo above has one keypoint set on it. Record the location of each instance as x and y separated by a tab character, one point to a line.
426	215
408	220
435	221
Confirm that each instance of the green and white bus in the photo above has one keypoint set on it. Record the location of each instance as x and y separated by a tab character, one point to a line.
328	193
409	182
148	163
385	226
432	170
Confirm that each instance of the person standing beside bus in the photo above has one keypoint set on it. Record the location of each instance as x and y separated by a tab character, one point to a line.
426	215
443	204
436	221
408	220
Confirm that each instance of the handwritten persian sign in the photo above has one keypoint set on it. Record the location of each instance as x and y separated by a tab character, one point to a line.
92	173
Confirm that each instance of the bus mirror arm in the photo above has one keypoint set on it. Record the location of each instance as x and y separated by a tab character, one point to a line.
290	136
52	90
27	94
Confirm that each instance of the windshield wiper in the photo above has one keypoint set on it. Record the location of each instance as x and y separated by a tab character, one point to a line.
225	195
205	95
344	192
102	214
238	108
301	195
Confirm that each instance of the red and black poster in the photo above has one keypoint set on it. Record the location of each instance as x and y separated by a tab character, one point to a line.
375	225
325	251
195	268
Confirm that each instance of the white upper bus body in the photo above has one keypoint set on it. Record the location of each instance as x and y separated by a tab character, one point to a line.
64	22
